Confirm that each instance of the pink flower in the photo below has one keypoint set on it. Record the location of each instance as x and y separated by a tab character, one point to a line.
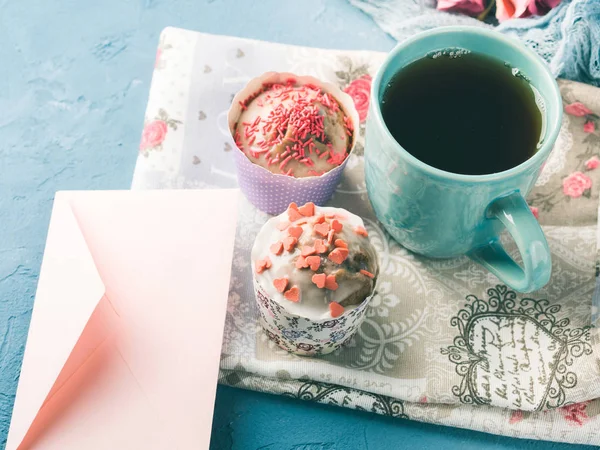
592	163
154	134
516	416
157	60
575	413
589	126
541	7
576	184
511	9
360	91
469	7
577	109
535	211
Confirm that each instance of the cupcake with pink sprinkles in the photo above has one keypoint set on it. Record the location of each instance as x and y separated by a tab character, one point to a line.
293	135
315	271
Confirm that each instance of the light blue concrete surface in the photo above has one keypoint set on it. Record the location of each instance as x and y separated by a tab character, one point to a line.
74	79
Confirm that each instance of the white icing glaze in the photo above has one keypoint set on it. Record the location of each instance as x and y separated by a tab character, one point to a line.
314	302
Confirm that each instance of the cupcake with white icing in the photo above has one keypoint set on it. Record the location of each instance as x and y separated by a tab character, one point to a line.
314	274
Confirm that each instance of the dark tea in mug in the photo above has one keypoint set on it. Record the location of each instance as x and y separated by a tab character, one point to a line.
463	112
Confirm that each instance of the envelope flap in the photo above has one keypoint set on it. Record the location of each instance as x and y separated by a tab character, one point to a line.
170	285
69	289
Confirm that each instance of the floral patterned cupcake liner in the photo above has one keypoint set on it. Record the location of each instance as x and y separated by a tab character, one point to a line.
303	336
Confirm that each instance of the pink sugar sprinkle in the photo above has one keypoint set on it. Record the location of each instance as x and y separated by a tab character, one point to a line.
324	154
348	123
330	236
285	161
243	106
337	158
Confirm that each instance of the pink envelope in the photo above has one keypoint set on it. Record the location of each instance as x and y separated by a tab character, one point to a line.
125	336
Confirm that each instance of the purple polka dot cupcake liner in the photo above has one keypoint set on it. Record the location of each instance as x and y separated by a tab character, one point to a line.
272	193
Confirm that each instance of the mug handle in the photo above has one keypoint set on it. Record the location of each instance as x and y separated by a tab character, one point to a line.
515	215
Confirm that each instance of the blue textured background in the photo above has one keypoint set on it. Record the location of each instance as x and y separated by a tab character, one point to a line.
74	79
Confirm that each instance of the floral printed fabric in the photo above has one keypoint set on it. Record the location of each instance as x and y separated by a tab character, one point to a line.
155	132
574	202
359	89
442	341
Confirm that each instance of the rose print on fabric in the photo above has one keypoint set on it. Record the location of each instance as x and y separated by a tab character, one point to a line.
354	79
515	417
360	91
535	211
592	163
155	132
576	413
578	109
577	184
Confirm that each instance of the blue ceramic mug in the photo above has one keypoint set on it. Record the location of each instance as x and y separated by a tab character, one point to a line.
441	214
